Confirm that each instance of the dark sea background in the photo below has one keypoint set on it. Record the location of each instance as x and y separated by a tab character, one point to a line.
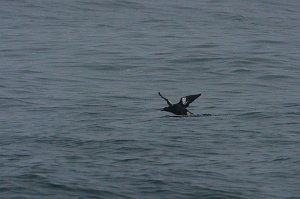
80	114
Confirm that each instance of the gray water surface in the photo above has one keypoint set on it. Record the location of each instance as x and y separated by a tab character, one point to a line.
80	114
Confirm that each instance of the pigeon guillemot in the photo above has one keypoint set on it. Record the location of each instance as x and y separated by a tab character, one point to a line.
180	107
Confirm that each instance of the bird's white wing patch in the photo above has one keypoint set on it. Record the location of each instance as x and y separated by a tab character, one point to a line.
183	100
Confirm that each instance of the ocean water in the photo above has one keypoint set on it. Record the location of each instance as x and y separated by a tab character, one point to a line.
80	114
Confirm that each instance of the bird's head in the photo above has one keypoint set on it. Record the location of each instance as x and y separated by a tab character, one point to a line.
166	109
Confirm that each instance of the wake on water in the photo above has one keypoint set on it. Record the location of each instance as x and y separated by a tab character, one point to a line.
198	115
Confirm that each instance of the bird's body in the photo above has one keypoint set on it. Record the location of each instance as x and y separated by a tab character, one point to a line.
180	107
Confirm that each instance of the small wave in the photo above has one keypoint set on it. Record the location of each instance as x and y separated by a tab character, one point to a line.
196	60
230	16
205	46
291	104
123	4
210	193
14	102
128	160
255	60
274	77
254	114
293	113
296	161
242	71
82	190
197	115
154	21
268	41
279	159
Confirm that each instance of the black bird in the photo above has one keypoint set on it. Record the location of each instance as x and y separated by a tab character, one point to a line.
180	107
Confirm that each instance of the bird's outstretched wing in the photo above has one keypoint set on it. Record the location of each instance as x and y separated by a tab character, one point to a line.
169	103
185	101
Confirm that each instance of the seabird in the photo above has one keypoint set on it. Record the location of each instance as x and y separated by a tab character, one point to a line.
180	107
